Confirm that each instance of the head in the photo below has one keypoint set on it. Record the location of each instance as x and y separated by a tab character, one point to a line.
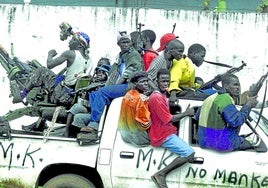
101	73
136	40
197	53
163	80
80	40
140	81
65	30
148	37
231	84
166	38
174	49
124	41
103	61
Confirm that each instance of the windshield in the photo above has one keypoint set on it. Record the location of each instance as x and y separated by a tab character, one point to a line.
263	123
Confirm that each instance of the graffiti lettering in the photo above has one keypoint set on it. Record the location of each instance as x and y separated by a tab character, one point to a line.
228	178
142	154
163	159
28	154
220	174
148	157
8	154
5	152
202	172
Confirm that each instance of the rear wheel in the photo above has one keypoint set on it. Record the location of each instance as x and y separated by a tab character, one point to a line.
69	181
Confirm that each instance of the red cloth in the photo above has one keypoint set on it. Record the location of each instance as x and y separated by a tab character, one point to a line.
148	57
161	126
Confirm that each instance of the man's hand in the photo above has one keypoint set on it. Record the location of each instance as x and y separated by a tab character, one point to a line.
189	111
172	98
252	101
52	53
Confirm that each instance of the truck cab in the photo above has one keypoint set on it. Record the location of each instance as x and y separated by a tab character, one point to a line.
38	160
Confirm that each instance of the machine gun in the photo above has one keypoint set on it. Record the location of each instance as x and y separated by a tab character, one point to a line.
17	70
217	78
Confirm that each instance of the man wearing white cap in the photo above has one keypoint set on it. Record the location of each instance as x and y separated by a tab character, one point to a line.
128	61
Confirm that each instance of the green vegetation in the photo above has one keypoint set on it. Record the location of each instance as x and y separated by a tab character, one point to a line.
12	183
263	7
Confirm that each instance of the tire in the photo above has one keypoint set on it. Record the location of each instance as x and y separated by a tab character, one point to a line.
69	181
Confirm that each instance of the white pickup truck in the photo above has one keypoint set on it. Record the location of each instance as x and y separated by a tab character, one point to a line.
53	161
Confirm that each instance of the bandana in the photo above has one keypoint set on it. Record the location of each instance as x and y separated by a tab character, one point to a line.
83	38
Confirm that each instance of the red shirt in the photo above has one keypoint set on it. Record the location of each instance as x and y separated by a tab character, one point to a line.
161	126
148	57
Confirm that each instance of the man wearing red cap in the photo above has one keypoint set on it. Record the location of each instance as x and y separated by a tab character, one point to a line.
172	50
165	39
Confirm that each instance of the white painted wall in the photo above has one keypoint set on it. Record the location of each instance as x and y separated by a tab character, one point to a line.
228	37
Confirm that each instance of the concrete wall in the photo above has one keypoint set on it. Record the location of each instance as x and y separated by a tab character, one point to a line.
228	37
232	5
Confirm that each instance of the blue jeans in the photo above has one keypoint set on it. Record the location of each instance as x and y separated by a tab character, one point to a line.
176	145
102	97
81	120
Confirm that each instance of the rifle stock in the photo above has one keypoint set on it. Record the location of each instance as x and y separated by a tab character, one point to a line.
217	78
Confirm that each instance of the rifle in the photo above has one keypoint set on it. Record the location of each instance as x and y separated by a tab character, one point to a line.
254	90
174	26
217	78
139	27
136	38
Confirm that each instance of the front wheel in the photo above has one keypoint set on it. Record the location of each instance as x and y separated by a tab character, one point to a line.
69	181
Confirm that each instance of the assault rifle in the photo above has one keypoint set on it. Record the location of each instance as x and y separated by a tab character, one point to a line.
217	78
136	38
254	90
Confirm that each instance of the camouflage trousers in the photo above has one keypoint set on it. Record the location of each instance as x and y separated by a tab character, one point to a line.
45	78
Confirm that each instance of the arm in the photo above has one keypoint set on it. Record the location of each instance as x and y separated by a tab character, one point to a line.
235	118
178	117
175	75
52	62
133	63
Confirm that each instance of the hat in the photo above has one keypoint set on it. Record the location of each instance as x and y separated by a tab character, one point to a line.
105	68
166	38
122	35
83	38
138	75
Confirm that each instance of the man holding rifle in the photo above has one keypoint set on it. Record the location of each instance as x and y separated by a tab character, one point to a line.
220	121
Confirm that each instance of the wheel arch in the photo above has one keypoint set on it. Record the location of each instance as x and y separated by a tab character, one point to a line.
63	168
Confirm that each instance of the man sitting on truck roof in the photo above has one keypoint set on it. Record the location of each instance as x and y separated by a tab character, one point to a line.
129	60
134	119
78	65
219	121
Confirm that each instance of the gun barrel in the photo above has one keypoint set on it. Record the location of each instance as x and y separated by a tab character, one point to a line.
4	62
258	85
218	77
